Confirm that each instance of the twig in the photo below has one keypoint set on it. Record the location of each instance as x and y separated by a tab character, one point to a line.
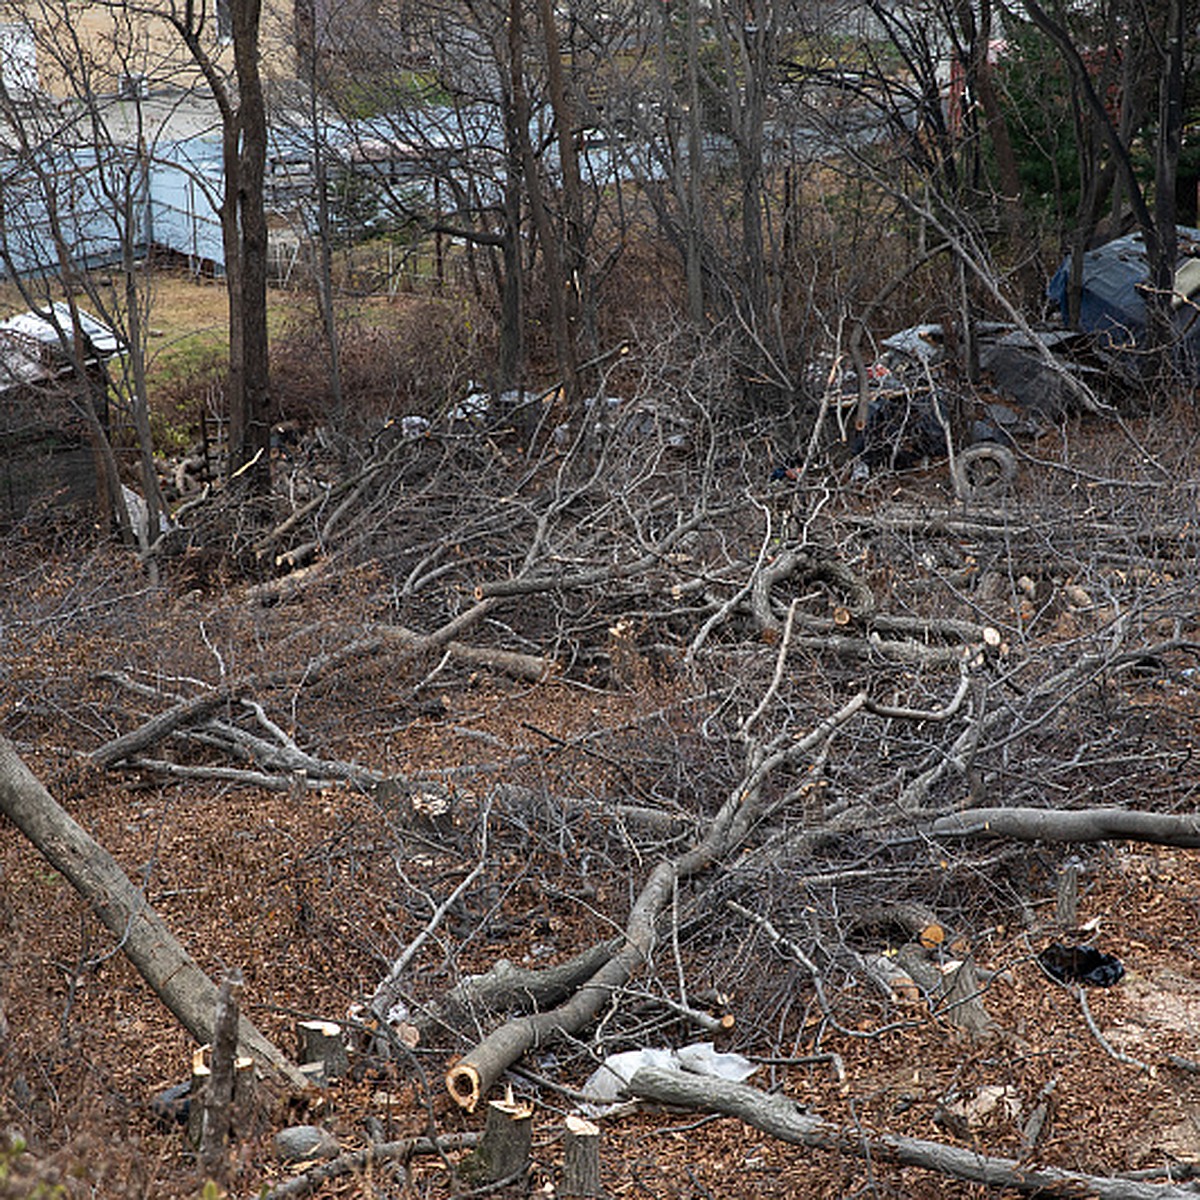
725	609
806	1060
387	991
786	946
1105	1044
780	660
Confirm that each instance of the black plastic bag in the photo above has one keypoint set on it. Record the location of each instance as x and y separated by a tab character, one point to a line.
1080	964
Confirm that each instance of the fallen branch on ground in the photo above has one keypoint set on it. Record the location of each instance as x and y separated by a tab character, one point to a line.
360	1160
506	987
470	1079
787	1120
1082	825
143	935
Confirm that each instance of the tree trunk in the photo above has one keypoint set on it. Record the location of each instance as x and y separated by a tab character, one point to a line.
144	937
252	443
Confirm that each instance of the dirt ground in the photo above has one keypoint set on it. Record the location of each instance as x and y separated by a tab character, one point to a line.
296	894
312	894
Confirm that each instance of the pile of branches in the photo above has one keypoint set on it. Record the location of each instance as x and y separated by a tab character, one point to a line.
847	674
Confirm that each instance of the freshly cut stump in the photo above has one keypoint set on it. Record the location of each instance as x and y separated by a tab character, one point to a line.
503	1151
581	1159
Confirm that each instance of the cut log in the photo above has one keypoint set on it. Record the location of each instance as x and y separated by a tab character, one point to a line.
581	1159
143	935
1066	899
196	1095
508	987
244	1097
953	989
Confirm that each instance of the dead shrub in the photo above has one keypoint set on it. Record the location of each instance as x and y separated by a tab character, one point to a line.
410	355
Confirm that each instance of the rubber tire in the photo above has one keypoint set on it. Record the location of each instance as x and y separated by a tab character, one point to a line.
983	472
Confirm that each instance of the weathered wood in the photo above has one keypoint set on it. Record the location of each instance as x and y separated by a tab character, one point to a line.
784	1118
144	937
1066	897
187	712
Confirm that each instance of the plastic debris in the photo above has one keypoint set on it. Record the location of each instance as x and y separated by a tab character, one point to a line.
605	1085
1080	964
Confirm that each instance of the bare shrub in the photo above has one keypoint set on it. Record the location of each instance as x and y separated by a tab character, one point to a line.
413	355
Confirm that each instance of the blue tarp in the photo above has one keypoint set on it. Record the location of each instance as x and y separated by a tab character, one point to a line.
1111	303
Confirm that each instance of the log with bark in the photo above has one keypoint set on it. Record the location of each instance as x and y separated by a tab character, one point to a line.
784	1118
503	1150
581	1159
1078	825
142	934
506	988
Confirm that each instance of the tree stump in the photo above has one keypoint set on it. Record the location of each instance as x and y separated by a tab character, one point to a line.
244	1094
200	1075
323	1042
217	1108
1066	900
503	1151
581	1159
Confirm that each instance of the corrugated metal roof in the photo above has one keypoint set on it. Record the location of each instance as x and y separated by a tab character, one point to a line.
31	349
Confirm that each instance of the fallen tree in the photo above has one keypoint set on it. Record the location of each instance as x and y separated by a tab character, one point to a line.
142	934
784	1118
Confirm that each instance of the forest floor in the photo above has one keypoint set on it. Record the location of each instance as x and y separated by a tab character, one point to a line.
295	893
311	894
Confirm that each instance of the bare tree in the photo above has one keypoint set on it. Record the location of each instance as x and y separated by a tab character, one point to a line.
1154	39
241	103
76	197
